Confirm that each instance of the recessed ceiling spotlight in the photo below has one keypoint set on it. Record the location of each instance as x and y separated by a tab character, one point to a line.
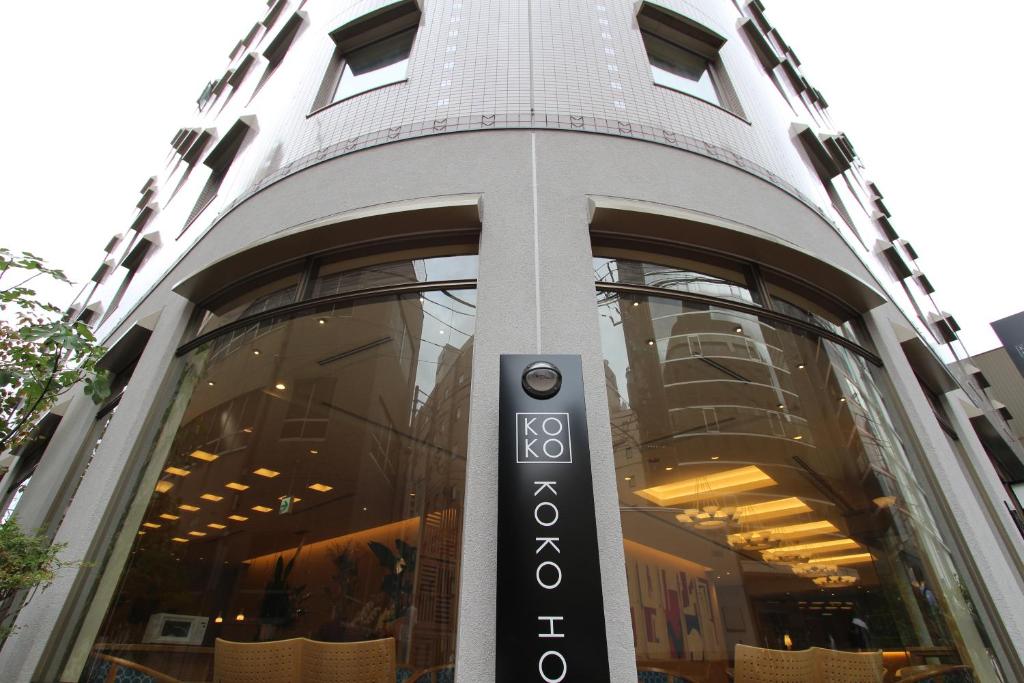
280	386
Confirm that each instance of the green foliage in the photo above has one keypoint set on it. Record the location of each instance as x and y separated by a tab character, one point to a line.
281	602
41	354
26	562
399	570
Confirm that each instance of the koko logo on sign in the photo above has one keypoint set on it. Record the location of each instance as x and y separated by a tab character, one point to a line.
543	438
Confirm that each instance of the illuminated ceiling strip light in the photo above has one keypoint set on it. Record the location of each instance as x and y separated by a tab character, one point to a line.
236	486
719	483
794	530
214	525
188	508
238	518
264	472
211	496
815	548
169	516
322	488
150	525
177	471
197	533
179	539
773	509
261	508
843	559
164	486
203	455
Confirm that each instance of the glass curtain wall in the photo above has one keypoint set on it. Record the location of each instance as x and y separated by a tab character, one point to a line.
765	496
308	483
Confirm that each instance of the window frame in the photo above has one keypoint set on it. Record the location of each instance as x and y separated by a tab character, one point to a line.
361	32
685	34
308	267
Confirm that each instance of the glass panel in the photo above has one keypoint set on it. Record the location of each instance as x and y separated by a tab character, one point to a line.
312	488
691	278
255	299
766	499
679	69
803	308
377	64
339	277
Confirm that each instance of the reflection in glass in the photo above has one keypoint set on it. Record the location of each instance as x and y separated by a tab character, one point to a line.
690	278
374	65
766	498
308	483
678	68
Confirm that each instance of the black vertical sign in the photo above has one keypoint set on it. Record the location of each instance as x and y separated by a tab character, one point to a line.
550	612
1011	332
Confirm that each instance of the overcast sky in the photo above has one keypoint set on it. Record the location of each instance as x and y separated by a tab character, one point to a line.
93	93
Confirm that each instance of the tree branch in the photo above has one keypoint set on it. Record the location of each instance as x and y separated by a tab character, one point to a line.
26	415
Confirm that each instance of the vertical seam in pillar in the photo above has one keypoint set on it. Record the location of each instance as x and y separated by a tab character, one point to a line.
529	34
536	236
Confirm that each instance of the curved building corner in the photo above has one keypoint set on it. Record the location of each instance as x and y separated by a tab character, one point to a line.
303	472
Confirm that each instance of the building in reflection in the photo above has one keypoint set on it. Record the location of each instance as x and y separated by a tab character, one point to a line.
792	459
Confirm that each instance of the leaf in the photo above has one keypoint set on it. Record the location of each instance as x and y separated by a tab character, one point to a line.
384	555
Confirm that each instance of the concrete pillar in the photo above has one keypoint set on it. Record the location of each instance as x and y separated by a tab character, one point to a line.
536	295
40	623
991	573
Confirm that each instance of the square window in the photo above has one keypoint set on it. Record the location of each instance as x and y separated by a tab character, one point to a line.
371	51
685	56
372	66
680	69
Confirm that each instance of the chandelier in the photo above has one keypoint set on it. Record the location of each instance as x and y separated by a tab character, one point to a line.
782	553
708	517
753	540
837	578
807	570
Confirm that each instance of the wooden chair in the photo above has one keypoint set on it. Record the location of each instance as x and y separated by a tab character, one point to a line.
108	669
760	665
278	661
366	661
835	666
303	660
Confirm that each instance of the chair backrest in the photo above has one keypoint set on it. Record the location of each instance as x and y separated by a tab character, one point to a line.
277	661
849	667
367	661
760	665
